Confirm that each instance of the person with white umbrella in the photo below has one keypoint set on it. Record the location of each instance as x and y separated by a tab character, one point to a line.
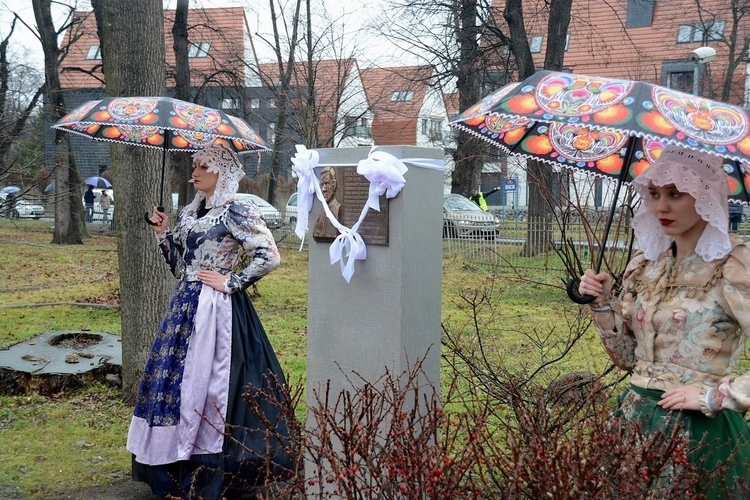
105	202
89	197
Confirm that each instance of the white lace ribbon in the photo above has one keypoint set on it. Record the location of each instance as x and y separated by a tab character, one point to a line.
303	164
386	175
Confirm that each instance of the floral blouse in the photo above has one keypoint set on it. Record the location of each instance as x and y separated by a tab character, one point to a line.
684	323
215	242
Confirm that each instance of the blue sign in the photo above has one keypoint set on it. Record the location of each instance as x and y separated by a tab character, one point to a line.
510	185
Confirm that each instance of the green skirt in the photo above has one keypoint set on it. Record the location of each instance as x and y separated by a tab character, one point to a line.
719	443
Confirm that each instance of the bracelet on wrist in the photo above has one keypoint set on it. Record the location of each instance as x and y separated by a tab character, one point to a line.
709	397
600	307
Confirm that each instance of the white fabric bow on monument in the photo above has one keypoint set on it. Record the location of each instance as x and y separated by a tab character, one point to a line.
386	175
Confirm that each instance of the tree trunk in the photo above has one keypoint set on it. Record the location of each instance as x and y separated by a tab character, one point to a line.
134	60
469	155
539	175
282	99
68	204
12	124
181	47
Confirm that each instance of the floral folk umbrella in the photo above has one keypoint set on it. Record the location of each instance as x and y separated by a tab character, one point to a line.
160	122
609	128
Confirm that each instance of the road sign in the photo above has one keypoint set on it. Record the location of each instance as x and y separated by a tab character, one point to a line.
510	185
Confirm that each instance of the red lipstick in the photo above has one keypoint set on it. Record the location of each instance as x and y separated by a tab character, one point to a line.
665	222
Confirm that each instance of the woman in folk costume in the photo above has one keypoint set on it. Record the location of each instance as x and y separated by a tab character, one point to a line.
211	349
681	319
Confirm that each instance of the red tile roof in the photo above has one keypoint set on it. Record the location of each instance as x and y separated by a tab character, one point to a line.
330	77
223	28
395	120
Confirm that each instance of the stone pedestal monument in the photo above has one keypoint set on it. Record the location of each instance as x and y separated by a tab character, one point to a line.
388	316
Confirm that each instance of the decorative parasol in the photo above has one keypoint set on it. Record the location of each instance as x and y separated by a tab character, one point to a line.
609	128
162	123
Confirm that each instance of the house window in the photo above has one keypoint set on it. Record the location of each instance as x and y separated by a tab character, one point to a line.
436	130
354	127
710	31
271	132
94	53
255	103
536	44
230	103
679	75
271	103
199	50
567	41
680	80
640	13
402	96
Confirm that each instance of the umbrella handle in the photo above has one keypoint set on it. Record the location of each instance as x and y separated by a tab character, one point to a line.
148	219
576	297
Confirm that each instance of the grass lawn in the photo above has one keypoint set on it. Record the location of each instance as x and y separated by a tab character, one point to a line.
76	440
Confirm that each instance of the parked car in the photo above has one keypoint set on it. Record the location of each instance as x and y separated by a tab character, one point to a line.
462	218
22	209
270	214
290	212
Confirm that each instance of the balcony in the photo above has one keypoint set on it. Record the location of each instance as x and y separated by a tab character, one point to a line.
358	131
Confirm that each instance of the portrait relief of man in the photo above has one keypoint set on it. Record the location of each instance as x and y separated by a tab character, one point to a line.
323	230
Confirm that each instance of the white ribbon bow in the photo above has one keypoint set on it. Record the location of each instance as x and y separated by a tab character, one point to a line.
347	248
386	175
303	164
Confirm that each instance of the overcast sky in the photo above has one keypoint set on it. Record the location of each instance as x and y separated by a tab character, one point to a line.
357	13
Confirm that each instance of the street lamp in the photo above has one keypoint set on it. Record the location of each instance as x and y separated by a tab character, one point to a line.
700	57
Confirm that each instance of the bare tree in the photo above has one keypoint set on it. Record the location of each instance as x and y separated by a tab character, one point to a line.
282	102
133	56
736	41
539	174
68	206
448	37
181	47
13	114
309	80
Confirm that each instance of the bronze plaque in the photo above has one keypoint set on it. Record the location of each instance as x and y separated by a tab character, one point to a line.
346	193
374	228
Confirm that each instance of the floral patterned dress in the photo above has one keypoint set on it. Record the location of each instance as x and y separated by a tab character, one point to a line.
210	350
683	323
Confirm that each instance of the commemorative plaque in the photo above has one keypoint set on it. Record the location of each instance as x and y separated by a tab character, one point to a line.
346	193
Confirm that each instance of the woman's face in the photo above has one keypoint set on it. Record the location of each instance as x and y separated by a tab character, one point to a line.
675	211
203	179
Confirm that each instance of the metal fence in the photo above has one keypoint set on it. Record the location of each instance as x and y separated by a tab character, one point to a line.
506	249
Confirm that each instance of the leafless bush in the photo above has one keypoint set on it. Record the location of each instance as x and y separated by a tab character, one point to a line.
490	431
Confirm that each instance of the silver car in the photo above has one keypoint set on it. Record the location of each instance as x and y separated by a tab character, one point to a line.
290	214
270	214
22	209
462	218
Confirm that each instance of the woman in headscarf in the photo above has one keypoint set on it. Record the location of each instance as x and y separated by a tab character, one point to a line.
211	349
680	321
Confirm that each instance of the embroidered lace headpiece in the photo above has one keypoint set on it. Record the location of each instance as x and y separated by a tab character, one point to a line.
225	162
698	174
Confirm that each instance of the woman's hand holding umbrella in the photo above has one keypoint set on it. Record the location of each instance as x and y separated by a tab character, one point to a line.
159	220
596	285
